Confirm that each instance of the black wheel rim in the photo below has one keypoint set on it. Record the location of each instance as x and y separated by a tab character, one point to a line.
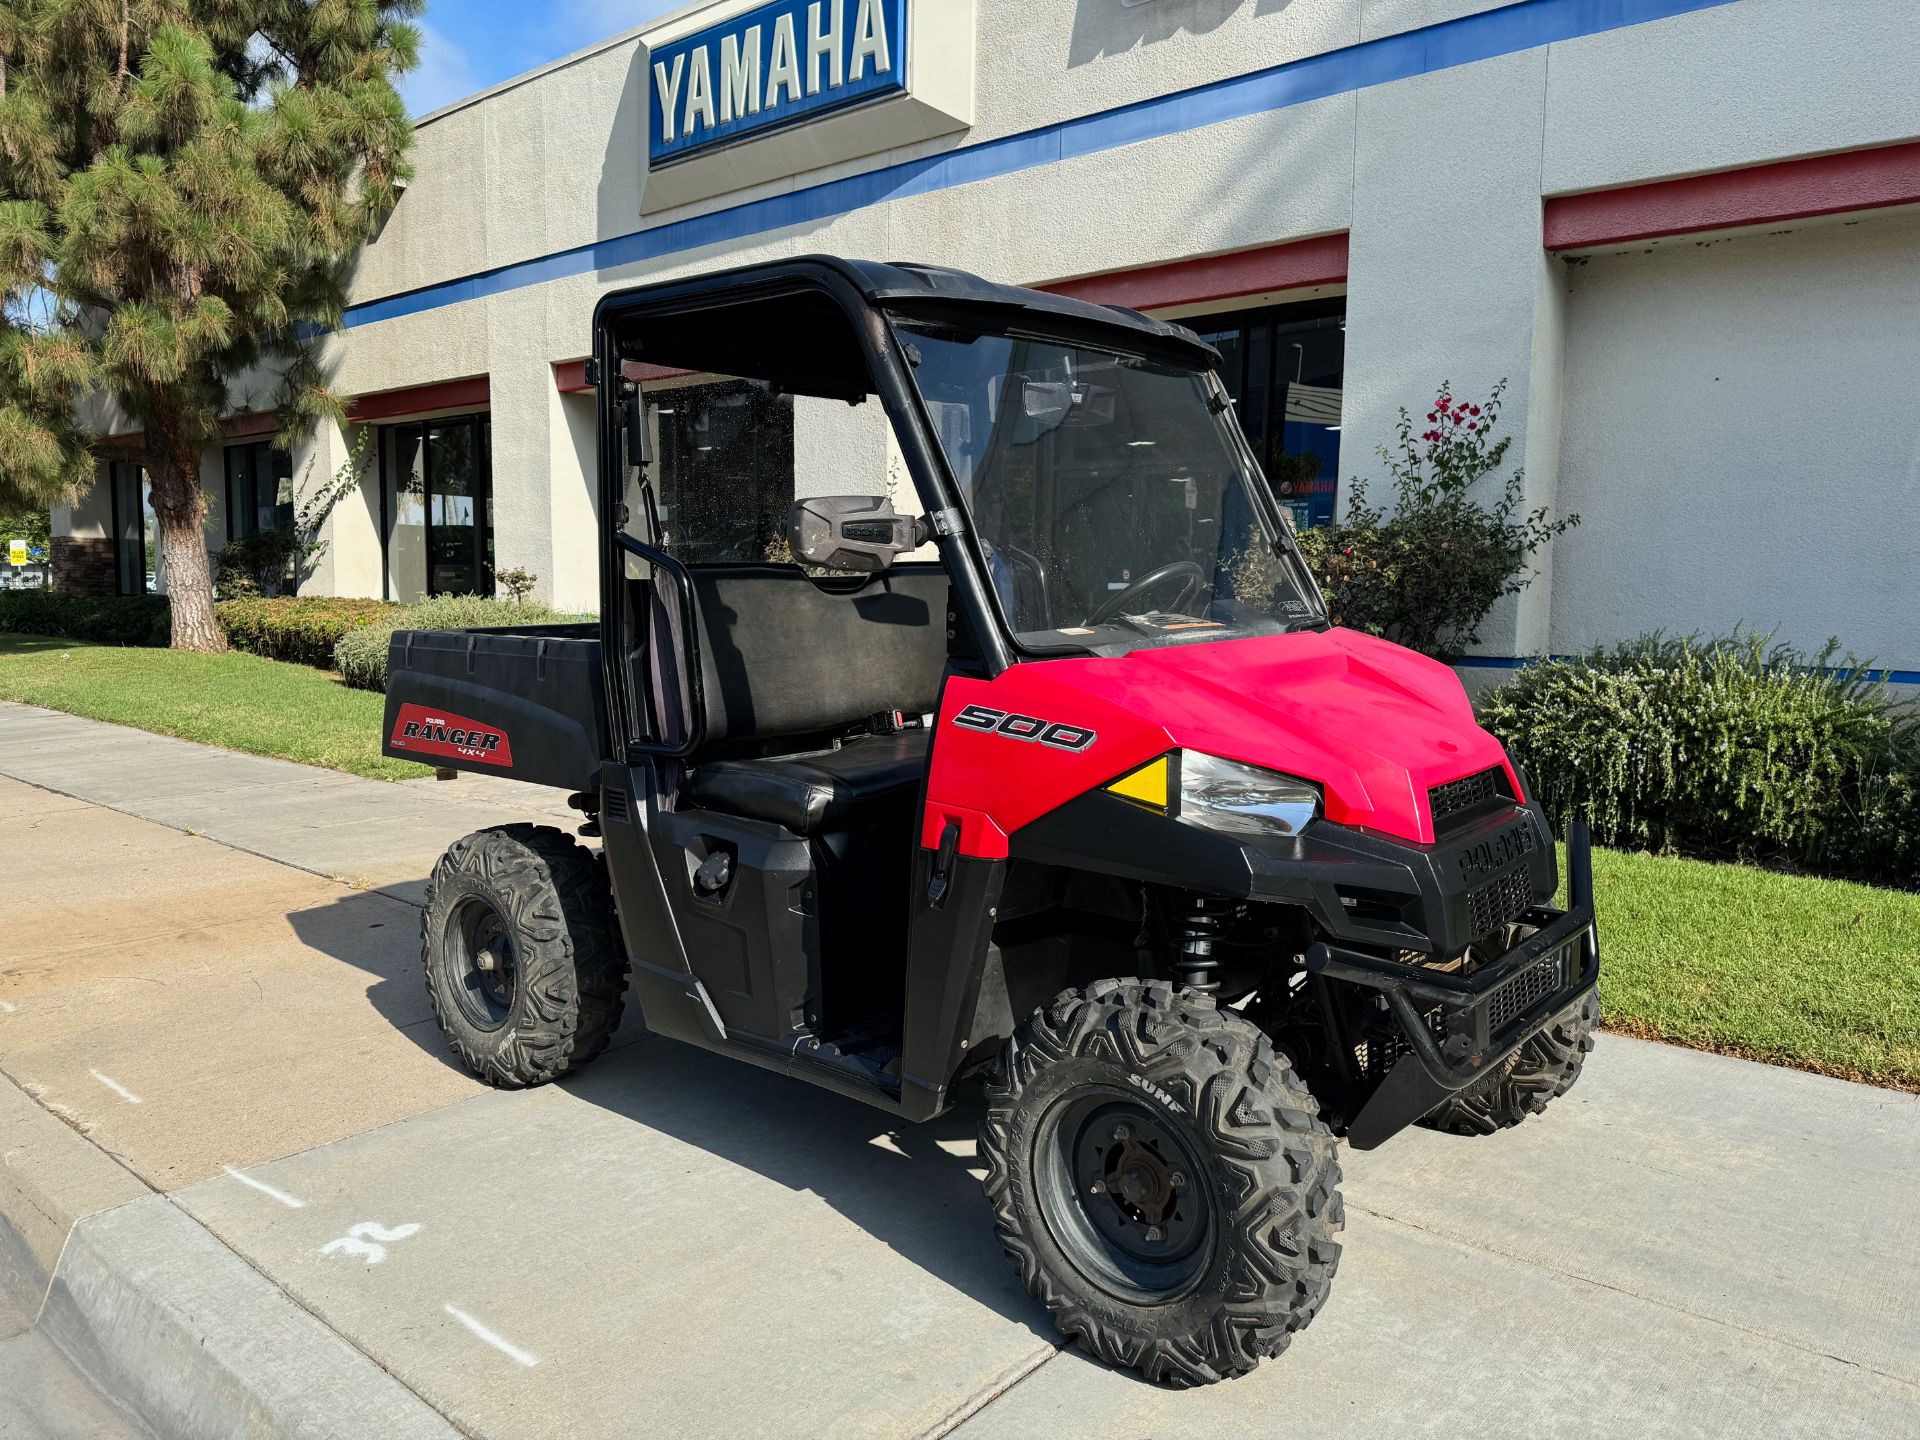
482	969
1124	1192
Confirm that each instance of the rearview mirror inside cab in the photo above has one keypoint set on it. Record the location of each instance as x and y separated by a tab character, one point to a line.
851	532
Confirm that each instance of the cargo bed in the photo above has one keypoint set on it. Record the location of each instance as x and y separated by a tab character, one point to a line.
527	702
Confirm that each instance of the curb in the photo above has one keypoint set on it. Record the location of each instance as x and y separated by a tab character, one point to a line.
176	1327
51	1177
161	1317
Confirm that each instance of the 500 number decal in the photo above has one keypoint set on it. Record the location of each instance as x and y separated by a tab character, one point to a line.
1025	727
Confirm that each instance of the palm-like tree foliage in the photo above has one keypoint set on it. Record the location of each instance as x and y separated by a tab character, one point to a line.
181	185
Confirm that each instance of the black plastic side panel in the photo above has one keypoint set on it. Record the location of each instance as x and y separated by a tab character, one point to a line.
539	688
671	999
752	943
947	959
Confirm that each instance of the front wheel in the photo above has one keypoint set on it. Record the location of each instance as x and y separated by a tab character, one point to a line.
523	967
1162	1180
1544	1068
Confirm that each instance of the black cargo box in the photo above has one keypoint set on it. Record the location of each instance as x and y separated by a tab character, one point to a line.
528	703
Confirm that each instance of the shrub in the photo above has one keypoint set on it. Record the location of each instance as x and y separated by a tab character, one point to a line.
103	619
302	629
361	655
257	564
1427	574
518	583
1724	749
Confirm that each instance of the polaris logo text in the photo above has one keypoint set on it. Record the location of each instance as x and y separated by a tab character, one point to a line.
1025	727
421	731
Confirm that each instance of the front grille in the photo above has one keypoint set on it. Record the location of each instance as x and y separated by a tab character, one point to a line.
1503	898
1524	991
1467	795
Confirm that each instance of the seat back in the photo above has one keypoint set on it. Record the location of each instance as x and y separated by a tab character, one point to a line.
784	655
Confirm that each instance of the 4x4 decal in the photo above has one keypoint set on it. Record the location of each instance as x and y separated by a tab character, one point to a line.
1025	727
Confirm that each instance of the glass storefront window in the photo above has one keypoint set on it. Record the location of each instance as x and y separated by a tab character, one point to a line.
259	489
436	478
1285	368
136	533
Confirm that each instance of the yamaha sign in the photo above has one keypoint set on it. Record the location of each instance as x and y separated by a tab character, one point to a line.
772	67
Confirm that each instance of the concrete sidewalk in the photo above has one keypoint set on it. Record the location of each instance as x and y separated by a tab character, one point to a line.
372	834
292	1214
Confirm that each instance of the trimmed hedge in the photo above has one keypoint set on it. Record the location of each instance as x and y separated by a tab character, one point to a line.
303	629
103	619
1723	749
361	656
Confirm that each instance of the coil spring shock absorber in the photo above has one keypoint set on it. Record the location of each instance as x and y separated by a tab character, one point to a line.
1203	920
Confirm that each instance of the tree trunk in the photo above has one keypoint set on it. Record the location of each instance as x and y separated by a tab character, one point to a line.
180	507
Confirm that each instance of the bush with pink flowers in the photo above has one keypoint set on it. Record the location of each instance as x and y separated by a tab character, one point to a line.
1426	573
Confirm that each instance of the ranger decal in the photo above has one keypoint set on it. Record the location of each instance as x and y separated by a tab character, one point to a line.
440	732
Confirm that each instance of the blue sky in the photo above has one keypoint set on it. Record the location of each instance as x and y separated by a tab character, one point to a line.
467	45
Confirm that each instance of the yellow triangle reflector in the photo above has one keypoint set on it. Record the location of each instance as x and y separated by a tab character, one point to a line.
1145	786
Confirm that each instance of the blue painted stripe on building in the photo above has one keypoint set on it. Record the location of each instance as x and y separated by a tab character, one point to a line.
1521	662
1488	35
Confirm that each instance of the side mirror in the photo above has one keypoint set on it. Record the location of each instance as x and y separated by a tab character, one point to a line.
850	532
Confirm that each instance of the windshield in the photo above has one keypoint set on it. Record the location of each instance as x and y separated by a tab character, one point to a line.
1113	501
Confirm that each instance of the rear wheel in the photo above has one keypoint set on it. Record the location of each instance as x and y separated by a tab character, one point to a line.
1162	1180
1540	1071
523	969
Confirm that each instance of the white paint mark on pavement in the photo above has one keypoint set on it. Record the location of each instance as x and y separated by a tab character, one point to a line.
265	1189
505	1347
117	1088
359	1241
7	1007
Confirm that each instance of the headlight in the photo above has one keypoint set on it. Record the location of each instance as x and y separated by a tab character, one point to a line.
1243	800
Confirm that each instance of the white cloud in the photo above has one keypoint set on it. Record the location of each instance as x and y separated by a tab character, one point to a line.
445	73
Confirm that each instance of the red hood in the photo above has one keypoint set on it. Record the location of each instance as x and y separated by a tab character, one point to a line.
1374	723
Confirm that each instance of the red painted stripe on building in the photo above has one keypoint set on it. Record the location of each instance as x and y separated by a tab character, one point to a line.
1755	195
473	392
1290	266
251	426
570	376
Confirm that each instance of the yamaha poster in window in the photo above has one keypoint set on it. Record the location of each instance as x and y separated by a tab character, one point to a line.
773	66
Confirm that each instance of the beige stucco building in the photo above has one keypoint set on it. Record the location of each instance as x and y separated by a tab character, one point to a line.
1682	230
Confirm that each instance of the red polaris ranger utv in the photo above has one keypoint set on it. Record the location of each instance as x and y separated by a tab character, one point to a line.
1017	748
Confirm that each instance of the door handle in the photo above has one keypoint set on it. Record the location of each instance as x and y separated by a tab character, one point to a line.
943	865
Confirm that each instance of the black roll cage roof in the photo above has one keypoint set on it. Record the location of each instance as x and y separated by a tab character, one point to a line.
863	289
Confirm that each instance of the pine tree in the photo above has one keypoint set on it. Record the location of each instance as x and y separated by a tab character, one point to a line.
182	185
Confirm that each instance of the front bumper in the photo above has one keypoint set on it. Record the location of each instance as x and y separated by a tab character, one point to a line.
1457	1028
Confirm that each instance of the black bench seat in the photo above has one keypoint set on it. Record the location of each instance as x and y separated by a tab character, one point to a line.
869	780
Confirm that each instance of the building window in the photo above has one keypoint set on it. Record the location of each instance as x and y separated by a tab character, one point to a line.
726	469
136	533
436	477
1285	367
259	489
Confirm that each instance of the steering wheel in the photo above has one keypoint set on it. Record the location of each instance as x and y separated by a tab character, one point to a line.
1178	569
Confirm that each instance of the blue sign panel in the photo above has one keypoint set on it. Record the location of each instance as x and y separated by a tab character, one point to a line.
787	61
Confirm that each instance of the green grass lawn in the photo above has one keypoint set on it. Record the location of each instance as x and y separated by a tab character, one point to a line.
1815	973
238	701
1822	974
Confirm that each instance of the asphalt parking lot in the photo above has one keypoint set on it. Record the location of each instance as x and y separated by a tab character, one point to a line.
279	1151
